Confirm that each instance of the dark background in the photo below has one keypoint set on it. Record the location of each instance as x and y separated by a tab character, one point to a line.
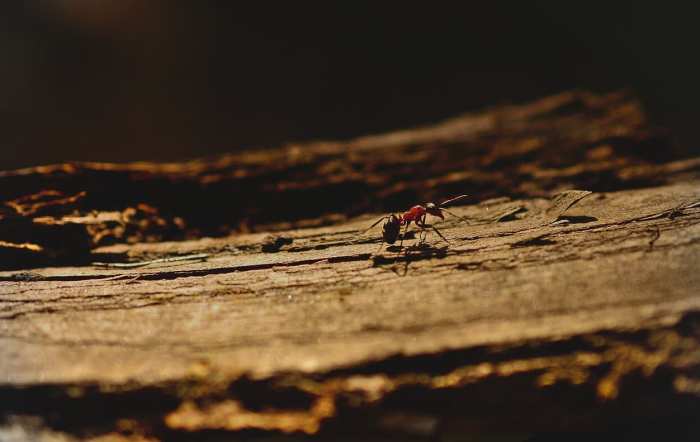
122	80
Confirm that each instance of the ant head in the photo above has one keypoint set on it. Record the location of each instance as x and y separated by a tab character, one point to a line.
434	210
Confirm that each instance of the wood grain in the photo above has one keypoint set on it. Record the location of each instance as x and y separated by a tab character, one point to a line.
555	306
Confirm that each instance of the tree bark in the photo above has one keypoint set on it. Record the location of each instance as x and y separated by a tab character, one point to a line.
550	308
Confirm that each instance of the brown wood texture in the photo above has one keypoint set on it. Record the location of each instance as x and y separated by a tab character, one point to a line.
569	293
572	140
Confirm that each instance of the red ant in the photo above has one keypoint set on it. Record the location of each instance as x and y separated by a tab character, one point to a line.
416	214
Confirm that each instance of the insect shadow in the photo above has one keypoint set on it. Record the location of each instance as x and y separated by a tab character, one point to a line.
410	254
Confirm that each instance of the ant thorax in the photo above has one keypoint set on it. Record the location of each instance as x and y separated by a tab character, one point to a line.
414	213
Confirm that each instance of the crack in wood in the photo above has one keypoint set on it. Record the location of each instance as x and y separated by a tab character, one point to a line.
610	365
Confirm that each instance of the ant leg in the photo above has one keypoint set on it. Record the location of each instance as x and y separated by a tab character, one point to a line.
375	223
424	232
455	215
398	252
426	226
405	229
381	246
438	232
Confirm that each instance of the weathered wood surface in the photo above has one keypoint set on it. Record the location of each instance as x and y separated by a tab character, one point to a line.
58	214
547	311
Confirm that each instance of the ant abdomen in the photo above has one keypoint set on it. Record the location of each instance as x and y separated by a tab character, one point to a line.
391	229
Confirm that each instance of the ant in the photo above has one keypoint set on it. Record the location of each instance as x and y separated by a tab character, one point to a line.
416	214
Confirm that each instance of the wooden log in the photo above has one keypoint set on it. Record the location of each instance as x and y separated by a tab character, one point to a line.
572	140
548	310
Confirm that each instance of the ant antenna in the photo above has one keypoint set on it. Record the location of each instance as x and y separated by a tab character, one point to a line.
450	201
